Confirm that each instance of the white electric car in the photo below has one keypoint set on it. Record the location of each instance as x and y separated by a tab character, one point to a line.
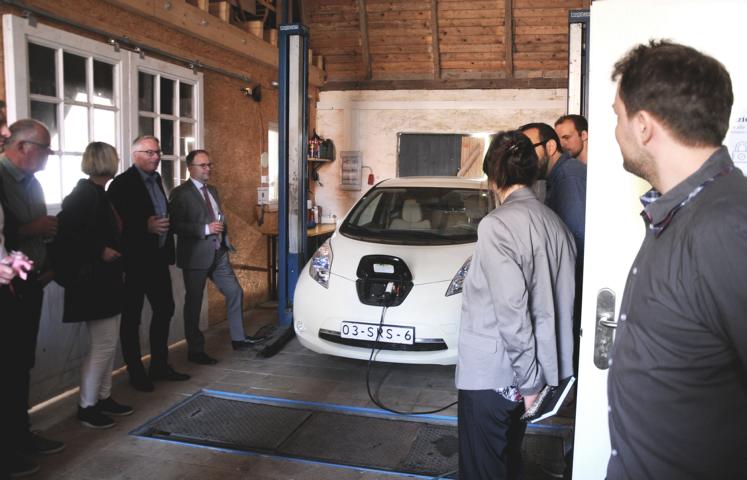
391	276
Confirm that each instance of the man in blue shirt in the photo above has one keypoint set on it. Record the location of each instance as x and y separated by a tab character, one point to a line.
566	196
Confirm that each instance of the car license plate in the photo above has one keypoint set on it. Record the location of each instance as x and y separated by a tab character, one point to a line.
367	331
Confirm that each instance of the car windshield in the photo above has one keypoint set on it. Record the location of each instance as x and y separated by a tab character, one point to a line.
418	215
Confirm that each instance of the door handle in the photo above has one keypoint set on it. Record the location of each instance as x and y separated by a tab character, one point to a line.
605	328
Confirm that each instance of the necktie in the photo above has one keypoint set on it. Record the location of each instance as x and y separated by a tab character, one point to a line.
208	202
216	241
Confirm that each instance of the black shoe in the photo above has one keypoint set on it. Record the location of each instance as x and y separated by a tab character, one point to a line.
167	373
91	417
247	342
201	358
108	406
141	383
35	443
21	466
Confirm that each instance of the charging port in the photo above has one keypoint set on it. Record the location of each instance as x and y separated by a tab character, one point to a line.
383	280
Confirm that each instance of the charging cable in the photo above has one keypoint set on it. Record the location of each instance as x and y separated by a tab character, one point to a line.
389	297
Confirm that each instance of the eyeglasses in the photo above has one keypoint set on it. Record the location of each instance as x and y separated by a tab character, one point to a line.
43	146
150	153
539	144
203	165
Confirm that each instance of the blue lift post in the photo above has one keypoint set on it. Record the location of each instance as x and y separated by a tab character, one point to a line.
293	44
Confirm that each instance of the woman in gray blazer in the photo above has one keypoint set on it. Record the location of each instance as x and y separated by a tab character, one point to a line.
515	334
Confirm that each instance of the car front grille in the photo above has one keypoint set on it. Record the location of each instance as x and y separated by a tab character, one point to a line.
423	345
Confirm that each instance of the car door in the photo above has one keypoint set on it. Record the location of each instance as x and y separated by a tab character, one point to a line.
614	229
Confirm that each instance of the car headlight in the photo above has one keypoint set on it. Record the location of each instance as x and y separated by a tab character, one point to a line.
321	265
457	283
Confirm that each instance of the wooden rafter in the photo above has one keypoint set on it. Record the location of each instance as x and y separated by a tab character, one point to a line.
434	45
508	39
364	38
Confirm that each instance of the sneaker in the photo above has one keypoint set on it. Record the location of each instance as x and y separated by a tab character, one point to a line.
35	443
91	417
108	406
21	466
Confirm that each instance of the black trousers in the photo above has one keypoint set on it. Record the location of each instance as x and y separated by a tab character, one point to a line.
153	281
490	436
21	313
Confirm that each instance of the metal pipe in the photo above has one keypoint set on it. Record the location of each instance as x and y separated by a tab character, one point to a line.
125	42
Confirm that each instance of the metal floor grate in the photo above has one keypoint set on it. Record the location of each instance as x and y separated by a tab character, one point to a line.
298	430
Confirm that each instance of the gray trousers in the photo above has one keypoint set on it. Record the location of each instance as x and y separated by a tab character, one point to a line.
225	280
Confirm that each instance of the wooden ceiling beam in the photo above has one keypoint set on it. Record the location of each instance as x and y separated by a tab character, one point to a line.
363	23
193	21
508	39
434	44
446	84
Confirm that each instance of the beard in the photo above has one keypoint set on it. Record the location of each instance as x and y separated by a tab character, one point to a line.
640	164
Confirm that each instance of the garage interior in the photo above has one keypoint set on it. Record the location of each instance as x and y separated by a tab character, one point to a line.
380	74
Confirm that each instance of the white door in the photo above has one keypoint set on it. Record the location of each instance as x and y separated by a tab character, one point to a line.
614	229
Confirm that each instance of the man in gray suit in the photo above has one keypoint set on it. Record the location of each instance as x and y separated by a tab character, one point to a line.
202	253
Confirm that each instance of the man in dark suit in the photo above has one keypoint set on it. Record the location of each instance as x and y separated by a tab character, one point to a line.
202	253
148	250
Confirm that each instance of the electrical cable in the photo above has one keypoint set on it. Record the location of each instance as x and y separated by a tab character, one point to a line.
376	401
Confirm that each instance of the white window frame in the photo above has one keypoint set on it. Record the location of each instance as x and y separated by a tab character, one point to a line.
170	71
17	32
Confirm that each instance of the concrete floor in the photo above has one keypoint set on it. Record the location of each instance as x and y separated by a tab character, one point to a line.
293	373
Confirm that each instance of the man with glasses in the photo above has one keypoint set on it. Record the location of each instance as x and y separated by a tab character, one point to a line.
148	250
202	253
27	228
565	180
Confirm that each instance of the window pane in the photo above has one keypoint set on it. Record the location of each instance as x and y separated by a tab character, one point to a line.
184	171
71	173
50	180
167	137
42	71
186	138
47	114
145	92
103	83
167	174
185	100
104	126
76	128
145	126
74	68
167	96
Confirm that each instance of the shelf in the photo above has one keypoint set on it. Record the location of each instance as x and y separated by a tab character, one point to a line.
316	159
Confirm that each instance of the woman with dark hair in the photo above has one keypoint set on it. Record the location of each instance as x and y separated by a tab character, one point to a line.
87	263
516	333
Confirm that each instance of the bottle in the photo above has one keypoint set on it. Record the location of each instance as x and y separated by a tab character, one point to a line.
310	223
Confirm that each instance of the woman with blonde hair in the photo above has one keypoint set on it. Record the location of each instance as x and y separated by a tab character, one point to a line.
87	263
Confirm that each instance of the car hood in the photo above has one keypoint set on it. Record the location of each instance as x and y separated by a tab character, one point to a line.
428	263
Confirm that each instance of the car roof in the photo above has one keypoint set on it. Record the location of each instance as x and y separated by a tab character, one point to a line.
447	182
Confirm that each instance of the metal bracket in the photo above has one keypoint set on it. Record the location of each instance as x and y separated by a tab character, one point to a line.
30	18
605	328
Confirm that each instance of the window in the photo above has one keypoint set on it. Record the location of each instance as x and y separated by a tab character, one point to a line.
272	167
74	96
85	91
167	109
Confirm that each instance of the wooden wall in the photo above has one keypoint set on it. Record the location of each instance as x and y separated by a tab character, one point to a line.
388	44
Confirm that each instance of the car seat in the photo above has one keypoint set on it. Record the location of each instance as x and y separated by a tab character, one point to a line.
412	217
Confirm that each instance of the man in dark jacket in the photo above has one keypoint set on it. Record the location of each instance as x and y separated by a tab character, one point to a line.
148	250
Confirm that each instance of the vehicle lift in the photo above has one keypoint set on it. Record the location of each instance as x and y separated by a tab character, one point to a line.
293	122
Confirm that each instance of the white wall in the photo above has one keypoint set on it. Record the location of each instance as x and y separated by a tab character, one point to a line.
61	346
370	120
